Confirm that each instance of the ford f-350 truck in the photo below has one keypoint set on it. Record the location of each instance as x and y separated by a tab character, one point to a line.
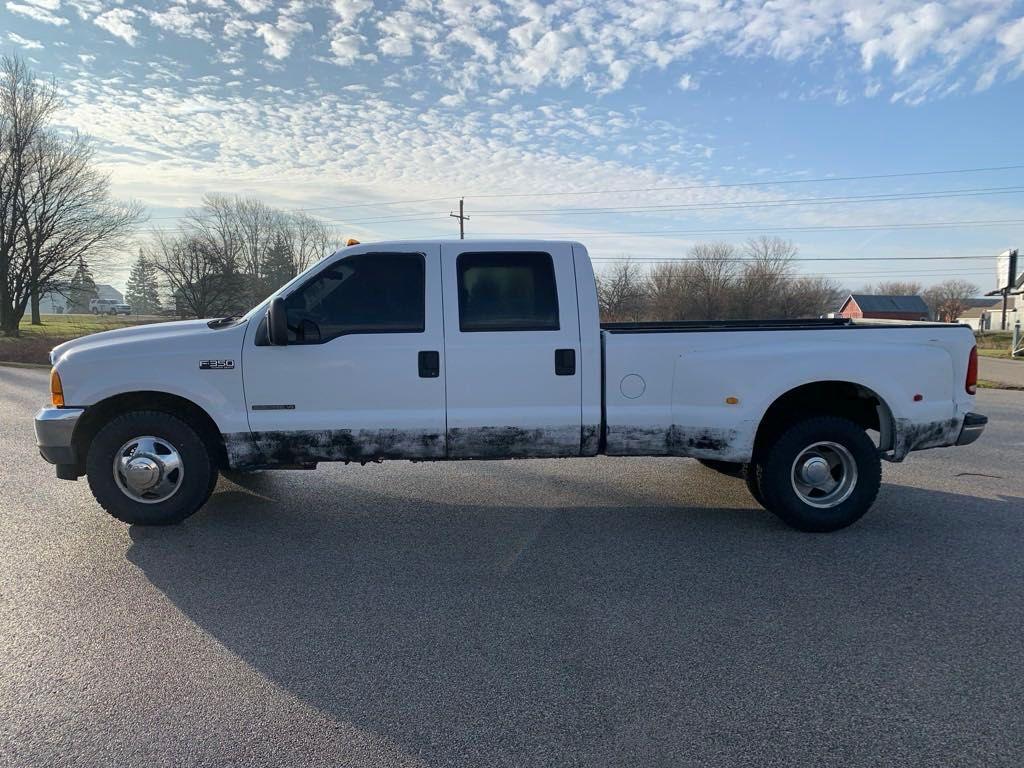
494	350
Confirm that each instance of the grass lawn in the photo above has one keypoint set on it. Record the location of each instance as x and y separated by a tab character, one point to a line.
36	341
995	344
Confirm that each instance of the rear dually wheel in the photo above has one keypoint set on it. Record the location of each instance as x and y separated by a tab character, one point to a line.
820	474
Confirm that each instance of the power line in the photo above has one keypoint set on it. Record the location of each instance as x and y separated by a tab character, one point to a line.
765	229
335	207
776	182
742	204
733	185
795	258
876	274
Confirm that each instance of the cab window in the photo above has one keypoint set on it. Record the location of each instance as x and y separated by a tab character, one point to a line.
501	291
363	293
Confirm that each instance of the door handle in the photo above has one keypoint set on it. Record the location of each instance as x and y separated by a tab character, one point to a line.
565	362
430	364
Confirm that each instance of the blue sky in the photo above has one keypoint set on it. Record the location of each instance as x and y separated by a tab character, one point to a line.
323	105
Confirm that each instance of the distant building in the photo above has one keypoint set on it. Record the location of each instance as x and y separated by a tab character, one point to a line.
863	305
981	314
986	314
109	292
56	303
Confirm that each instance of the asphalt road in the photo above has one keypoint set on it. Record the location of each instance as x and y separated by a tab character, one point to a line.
562	613
1005	371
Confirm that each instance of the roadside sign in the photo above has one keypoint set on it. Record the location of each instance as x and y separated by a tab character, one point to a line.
1006	270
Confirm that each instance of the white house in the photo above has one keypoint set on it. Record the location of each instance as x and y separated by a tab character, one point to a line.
987	314
55	303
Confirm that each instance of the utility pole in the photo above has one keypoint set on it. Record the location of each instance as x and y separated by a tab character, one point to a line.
462	217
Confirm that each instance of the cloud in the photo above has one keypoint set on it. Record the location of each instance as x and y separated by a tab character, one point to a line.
280	36
687	83
118	22
920	50
182	21
24	42
349	11
40	10
346	48
254	6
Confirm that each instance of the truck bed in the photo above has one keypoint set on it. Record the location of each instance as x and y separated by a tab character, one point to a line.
690	389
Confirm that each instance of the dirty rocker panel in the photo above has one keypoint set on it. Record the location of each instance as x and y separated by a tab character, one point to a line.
268	449
677	440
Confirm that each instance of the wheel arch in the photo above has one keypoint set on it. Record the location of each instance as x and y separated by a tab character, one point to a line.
852	400
194	415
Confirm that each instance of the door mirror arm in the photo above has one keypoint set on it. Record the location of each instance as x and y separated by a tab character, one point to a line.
277	322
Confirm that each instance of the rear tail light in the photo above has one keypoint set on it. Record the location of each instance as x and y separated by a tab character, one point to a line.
971	385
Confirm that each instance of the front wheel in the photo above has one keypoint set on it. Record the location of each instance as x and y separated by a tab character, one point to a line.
150	468
821	474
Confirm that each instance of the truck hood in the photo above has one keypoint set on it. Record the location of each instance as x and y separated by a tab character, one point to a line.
184	333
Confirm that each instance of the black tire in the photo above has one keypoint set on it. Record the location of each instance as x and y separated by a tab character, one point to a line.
775	475
750	477
199	473
730	468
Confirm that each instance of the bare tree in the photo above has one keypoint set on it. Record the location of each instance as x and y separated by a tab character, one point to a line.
809	297
667	291
948	300
309	238
893	288
622	292
764	280
216	224
194	274
26	106
56	207
711	276
247	235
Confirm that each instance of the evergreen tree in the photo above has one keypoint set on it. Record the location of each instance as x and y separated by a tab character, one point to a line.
277	267
81	289
143	287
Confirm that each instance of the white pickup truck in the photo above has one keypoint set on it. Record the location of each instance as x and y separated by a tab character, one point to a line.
494	350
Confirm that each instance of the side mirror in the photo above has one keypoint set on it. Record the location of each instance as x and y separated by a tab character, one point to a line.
277	322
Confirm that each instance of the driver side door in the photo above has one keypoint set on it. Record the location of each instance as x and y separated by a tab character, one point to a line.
362	375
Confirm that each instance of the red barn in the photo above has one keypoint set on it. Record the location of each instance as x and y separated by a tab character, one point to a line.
884	307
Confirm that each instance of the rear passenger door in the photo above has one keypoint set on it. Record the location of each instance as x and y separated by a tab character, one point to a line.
512	347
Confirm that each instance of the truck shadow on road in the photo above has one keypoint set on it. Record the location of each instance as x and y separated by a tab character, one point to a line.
476	634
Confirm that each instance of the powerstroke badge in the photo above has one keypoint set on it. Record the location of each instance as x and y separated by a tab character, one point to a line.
216	365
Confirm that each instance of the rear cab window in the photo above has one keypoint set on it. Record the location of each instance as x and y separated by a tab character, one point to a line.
507	291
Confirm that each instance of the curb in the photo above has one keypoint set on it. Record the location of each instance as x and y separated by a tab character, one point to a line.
12	364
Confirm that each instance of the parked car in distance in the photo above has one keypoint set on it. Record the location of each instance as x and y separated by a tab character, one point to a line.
494	350
109	307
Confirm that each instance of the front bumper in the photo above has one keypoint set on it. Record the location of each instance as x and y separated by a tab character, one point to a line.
55	428
974	425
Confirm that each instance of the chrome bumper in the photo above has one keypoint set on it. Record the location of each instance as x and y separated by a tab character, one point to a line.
55	428
974	425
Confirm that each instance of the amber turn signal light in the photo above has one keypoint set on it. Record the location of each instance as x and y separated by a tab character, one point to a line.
56	389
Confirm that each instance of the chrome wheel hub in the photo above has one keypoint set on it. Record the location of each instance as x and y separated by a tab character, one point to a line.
148	469
824	474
